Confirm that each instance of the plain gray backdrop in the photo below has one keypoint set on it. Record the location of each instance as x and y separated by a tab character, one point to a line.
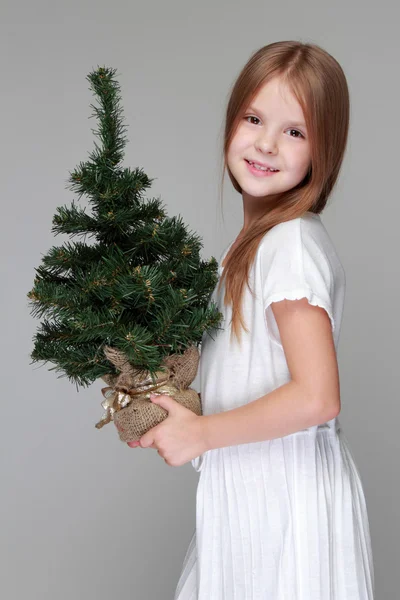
83	516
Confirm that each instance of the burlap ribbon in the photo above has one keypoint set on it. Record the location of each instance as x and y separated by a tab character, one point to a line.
127	398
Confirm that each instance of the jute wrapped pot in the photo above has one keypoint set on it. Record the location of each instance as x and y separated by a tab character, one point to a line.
128	401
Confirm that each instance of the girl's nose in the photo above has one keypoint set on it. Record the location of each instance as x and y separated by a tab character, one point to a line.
265	146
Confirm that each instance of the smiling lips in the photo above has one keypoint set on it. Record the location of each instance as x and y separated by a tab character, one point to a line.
263	165
259	169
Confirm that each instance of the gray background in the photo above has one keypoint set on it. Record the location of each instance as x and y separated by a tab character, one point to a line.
83	515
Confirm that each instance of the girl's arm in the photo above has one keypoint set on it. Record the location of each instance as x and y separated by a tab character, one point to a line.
311	397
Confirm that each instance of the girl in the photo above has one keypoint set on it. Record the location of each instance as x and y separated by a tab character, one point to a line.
280	508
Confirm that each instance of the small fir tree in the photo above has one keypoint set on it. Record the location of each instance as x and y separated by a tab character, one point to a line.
140	287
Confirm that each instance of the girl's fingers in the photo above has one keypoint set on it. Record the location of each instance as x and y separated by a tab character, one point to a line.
132	444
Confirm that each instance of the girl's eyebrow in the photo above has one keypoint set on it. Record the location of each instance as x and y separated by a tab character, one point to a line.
254	109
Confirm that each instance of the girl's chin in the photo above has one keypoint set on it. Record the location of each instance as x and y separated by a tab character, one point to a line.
256	195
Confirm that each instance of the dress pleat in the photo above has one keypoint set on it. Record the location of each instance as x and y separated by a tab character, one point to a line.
294	524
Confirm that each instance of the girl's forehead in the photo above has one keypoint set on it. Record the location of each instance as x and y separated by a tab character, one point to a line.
277	96
275	89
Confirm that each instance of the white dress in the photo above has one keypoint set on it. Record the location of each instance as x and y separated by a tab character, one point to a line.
282	519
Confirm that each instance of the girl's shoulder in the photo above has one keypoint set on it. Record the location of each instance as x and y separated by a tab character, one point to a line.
301	245
293	230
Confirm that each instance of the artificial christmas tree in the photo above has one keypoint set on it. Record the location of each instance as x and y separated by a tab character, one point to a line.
130	308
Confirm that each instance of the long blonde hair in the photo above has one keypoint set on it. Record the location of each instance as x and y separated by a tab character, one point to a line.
318	83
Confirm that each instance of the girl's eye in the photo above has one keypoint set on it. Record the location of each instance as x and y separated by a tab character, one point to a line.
297	131
252	117
257	119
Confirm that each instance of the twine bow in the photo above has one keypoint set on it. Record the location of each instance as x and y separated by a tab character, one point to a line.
116	399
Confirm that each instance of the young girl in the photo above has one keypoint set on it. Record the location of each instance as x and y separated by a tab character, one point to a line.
280	508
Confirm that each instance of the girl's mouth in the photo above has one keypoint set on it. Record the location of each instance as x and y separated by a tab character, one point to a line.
259	171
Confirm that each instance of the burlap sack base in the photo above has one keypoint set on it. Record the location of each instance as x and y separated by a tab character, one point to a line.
141	415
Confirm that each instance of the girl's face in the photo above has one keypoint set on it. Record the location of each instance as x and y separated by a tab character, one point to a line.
273	133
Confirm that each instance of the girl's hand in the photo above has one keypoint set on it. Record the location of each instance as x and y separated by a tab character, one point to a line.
179	437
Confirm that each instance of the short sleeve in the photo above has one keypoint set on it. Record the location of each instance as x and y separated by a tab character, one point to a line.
294	265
